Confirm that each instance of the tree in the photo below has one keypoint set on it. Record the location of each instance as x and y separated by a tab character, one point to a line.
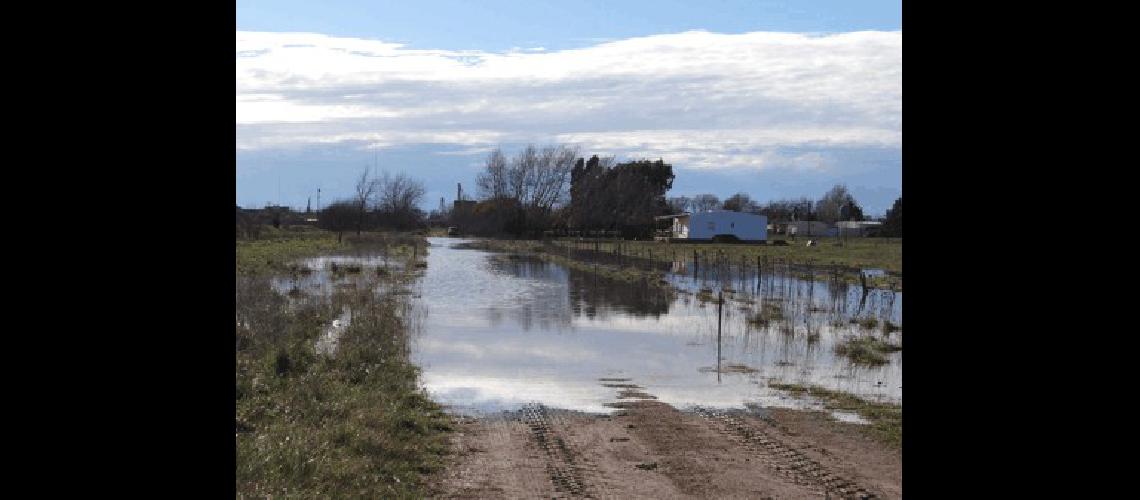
365	189
492	182
705	202
679	204
625	197
398	199
338	217
892	225
537	179
837	204
738	202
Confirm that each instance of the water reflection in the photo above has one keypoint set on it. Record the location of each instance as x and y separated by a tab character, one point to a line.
507	330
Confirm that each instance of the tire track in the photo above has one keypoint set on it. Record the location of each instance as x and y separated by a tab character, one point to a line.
784	458
568	471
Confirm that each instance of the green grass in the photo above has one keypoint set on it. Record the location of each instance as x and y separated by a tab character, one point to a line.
355	424
270	254
885	419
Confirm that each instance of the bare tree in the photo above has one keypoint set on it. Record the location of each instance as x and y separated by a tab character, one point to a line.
738	202
398	198
679	204
705	202
537	179
365	189
492	183
549	182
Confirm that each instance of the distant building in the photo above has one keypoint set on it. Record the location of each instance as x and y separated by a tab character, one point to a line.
706	226
463	206
809	228
858	228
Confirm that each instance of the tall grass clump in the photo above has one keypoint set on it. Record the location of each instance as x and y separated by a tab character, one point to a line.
866	350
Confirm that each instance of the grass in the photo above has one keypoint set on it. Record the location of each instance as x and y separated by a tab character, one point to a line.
854	254
354	424
866	350
885	418
769	311
889	327
273	253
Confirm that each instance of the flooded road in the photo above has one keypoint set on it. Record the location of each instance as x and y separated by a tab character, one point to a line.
499	332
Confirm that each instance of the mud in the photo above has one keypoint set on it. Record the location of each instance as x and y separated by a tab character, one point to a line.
649	449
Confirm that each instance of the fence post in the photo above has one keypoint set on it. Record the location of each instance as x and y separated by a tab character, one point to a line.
719	306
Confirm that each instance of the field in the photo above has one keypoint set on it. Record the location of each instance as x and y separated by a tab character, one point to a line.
352	422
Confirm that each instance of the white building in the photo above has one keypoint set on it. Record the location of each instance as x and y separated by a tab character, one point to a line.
708	225
857	228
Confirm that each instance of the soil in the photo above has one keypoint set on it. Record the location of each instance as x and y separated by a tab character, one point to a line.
648	449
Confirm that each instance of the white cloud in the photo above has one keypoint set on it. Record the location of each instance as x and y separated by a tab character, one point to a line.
697	99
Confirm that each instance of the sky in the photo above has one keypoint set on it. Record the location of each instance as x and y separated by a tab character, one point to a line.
773	99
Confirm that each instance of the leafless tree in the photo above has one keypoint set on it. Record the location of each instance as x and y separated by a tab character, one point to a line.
366	187
679	204
492	183
705	202
537	179
398	198
549	182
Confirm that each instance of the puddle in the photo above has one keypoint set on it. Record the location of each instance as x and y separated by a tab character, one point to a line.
319	277
501	331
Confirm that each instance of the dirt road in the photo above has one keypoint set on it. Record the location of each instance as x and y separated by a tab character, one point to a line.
648	449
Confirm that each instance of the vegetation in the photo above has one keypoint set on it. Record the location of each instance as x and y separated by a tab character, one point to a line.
350	423
624	198
892	225
854	255
769	311
885	419
273	253
866	350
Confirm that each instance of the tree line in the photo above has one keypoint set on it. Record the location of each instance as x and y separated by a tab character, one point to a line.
554	190
387	201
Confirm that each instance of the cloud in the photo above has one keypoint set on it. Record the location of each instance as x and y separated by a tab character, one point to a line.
698	99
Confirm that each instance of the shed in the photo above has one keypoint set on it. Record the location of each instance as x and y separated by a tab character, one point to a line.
705	226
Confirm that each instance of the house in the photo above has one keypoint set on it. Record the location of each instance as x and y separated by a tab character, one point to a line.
809	228
858	228
706	226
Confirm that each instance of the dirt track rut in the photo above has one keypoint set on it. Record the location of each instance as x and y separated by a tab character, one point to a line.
648	449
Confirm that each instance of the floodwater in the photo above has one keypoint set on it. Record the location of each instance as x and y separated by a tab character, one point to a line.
499	331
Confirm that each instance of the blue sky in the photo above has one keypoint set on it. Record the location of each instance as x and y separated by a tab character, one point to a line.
775	99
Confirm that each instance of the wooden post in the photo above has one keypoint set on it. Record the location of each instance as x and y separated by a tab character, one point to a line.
719	306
